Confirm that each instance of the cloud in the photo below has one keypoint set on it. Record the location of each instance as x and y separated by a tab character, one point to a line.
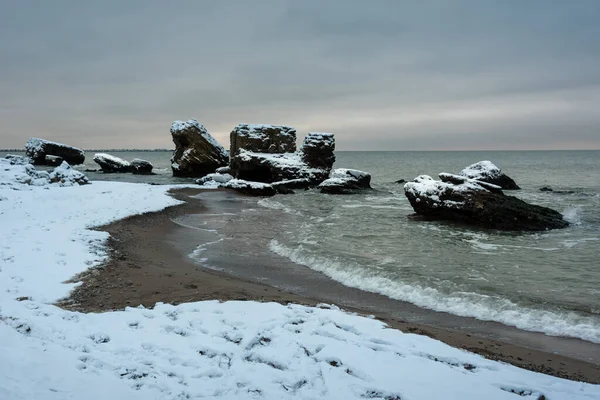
454	74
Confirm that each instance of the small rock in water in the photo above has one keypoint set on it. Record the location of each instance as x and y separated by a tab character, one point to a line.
142	167
250	188
546	189
109	163
400	181
346	181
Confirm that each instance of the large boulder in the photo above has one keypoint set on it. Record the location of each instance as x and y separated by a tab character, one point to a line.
109	163
318	150
268	168
37	149
346	181
469	201
141	167
197	153
250	188
263	139
486	171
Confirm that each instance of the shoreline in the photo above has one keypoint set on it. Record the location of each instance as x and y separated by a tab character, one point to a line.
149	263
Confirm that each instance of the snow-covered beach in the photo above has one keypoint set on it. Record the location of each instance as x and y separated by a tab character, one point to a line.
206	349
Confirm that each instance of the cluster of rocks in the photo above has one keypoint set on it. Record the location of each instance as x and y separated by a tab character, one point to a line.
263	160
26	174
476	197
110	164
46	152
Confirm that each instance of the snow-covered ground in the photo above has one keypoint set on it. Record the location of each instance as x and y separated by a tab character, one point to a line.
232	350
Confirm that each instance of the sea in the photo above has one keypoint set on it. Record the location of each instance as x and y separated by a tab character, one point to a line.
545	282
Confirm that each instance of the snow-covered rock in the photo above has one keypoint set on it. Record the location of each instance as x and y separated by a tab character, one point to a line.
223	170
465	200
37	149
14	159
142	167
486	171
318	150
288	186
197	153
65	175
110	163
260	138
20	176
215	179
250	188
346	181
53	161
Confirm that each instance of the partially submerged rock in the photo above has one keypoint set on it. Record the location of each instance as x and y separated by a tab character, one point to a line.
141	167
263	139
53	161
288	186
346	181
197	153
486	171
466	200
37	149
250	188
109	163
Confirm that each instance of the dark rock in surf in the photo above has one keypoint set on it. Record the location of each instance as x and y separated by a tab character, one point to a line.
486	171
346	181
458	198
37	149
250	188
109	163
546	189
260	138
141	167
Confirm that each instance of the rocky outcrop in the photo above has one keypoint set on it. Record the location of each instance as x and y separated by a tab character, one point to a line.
469	201
197	153
141	167
268	168
250	188
317	150
486	171
65	175
346	181
37	149
21	173
53	161
110	163
263	139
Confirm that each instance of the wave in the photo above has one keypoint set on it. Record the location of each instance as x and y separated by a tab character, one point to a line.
465	304
275	205
572	215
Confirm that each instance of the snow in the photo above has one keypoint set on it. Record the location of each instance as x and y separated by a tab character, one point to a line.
231	350
481	169
214	180
242	184
256	131
319	138
291	162
115	161
19	174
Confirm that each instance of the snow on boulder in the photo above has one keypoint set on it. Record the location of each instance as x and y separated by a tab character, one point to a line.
263	138
250	188
53	161
288	186
109	163
14	159
65	175
37	149
214	180
486	171
318	150
141	167
197	153
223	170
474	202
346	181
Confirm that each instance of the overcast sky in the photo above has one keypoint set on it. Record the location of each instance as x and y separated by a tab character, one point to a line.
381	75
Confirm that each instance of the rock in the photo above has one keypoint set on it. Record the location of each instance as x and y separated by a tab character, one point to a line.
214	180
478	203
13	159
346	181
546	189
400	181
318	150
37	149
268	168
65	175
287	187
197	153
53	161
250	188
110	163
263	139
486	171
142	167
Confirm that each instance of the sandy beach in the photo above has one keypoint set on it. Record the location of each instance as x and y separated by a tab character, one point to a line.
149	263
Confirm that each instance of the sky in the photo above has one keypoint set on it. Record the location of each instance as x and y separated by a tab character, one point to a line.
380	74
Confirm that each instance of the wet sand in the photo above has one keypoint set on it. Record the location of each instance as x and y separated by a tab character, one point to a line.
149	263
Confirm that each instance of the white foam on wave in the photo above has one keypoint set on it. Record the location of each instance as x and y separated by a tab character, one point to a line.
466	304
275	205
569	243
572	215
